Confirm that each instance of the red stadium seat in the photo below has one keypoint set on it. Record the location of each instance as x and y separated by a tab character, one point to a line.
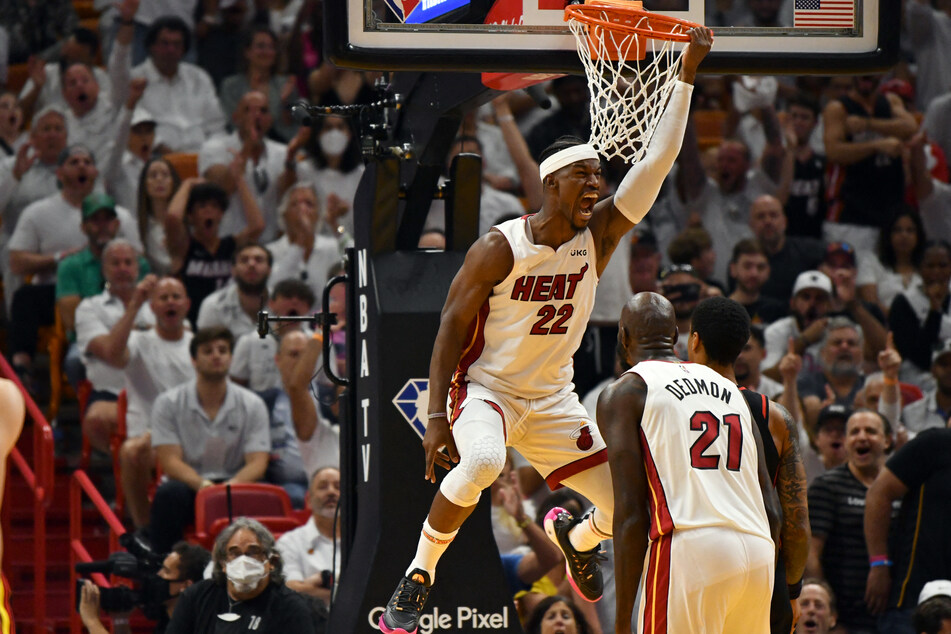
257	500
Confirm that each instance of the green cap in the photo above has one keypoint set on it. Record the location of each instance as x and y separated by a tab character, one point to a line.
96	201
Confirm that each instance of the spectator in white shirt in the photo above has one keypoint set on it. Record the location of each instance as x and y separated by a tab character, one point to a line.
236	305
303	253
91	118
11	124
269	166
152	10
253	364
335	167
180	95
47	232
308	551
44	86
31	174
151	361
96	316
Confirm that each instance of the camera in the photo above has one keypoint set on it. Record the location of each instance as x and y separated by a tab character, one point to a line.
140	564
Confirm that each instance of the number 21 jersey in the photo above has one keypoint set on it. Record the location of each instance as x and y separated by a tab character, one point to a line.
699	451
523	338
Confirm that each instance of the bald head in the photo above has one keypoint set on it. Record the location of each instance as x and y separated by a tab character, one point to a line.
293	340
648	324
649	315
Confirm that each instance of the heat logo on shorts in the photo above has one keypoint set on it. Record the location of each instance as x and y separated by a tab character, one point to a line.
583	438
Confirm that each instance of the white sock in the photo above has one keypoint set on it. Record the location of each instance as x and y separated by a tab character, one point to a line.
586	536
432	544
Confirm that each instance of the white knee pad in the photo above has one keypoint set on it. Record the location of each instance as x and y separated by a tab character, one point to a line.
480	463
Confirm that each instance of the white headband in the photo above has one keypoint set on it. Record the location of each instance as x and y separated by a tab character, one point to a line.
566	157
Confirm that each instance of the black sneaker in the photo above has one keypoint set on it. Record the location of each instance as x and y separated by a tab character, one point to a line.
402	612
584	568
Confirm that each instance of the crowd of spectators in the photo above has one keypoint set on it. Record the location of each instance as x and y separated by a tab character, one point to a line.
822	206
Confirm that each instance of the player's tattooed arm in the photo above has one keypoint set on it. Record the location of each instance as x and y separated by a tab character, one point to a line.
792	490
620	408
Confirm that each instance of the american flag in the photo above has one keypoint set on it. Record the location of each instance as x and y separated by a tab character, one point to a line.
825	13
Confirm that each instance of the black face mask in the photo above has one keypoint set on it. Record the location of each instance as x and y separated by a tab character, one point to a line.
156	592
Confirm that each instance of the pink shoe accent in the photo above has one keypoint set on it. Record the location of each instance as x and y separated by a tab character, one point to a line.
399	630
550	517
550	531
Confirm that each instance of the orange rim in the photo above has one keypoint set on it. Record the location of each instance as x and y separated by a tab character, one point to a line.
592	14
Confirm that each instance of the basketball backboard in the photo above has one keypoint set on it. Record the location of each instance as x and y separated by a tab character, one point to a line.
530	36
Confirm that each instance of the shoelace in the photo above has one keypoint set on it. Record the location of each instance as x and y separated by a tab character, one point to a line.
584	562
410	596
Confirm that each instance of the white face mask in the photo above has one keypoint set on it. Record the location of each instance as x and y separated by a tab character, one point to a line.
245	573
334	142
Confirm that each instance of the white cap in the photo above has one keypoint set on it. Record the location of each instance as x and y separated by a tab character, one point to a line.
936	588
812	279
141	115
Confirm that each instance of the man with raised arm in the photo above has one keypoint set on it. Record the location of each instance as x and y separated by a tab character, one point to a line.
692	480
152	361
501	370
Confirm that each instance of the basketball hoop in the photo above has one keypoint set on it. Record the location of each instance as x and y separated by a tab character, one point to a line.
632	65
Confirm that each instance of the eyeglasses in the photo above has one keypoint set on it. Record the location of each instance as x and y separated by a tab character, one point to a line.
254	552
676	268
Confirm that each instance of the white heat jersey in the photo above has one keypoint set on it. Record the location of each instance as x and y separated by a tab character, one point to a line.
524	336
699	451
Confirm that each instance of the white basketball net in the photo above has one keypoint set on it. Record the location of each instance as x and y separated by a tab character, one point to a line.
628	96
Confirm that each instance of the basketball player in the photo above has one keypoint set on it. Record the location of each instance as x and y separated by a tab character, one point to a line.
681	442
787	472
515	315
12	411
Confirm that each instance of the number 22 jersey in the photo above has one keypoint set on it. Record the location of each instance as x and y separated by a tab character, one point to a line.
524	336
699	451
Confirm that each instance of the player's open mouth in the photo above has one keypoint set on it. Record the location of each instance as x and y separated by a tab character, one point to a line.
587	203
836	445
863	451
810	625
209	223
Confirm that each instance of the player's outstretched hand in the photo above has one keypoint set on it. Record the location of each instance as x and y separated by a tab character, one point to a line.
436	437
701	40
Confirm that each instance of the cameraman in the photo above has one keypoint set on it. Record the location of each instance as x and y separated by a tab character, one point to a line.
182	567
246	590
